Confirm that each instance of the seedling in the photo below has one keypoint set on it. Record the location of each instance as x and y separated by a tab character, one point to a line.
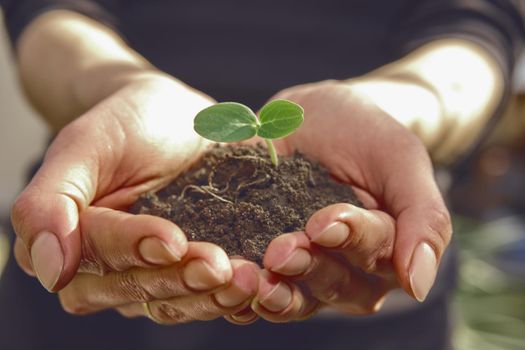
234	122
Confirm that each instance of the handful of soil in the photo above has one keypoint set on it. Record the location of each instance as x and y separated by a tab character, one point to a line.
236	198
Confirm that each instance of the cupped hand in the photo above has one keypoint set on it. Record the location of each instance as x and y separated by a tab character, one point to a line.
137	274
132	142
348	258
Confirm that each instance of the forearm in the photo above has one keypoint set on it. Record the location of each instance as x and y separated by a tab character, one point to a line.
444	91
68	63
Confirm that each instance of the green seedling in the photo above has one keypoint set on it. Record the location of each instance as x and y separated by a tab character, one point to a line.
234	122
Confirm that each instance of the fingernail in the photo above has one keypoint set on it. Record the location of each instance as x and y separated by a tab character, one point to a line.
278	298
333	236
157	252
199	275
232	296
242	286
47	259
423	271
296	264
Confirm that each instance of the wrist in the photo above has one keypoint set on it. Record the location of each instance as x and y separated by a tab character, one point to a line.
68	63
415	106
129	82
444	91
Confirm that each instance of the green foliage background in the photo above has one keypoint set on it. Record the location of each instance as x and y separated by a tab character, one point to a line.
490	302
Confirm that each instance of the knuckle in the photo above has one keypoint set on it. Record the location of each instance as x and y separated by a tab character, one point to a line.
20	212
380	252
335	291
91	264
440	227
92	261
131	288
315	223
71	305
166	312
169	284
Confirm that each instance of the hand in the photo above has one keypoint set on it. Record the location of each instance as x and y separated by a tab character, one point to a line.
202	285
349	258
78	241
134	141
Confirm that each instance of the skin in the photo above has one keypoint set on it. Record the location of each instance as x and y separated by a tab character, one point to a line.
382	159
126	128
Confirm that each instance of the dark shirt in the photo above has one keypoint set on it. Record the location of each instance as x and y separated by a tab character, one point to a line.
248	50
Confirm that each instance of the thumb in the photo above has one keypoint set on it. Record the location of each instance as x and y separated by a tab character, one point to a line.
45	216
424	232
423	225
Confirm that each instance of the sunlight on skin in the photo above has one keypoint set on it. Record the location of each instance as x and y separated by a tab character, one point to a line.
82	73
444	92
178	126
423	102
470	90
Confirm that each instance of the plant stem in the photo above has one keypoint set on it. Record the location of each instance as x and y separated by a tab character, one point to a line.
273	153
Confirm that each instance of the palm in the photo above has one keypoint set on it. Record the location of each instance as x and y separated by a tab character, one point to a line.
135	142
355	140
388	166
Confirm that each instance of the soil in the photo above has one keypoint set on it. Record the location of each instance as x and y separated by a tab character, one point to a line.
236	198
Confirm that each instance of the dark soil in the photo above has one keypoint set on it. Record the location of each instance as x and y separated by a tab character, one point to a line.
236	198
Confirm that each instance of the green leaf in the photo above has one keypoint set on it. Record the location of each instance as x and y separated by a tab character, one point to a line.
226	122
279	118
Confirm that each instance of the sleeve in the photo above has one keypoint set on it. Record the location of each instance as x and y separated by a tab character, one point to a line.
496	25
19	13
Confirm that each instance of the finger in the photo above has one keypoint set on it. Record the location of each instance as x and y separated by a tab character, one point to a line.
244	317
242	288
45	215
364	237
204	268
116	241
22	257
289	254
174	311
241	318
278	301
424	234
326	277
423	225
237	297
343	287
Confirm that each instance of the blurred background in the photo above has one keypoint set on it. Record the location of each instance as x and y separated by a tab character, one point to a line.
487	200
22	136
487	196
22	133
